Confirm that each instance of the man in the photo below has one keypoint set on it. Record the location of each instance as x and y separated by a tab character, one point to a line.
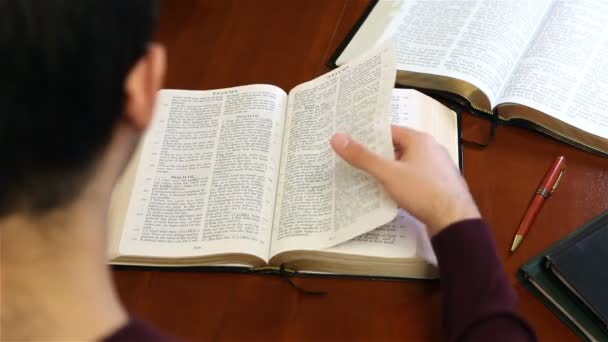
77	91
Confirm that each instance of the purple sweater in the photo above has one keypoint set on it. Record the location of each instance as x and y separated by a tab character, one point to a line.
479	304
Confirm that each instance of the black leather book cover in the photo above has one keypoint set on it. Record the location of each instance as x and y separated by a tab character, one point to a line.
582	265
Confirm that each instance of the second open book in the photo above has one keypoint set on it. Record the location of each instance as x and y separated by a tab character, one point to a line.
538	63
246	177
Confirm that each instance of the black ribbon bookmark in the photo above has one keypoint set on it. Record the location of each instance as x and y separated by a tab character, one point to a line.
287	275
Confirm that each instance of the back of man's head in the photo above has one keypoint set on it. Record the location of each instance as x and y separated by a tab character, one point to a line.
63	65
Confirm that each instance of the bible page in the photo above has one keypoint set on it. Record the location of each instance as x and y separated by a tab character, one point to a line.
321	200
479	41
413	109
406	237
374	30
403	238
206	180
565	71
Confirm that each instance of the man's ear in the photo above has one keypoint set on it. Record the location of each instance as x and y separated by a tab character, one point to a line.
143	82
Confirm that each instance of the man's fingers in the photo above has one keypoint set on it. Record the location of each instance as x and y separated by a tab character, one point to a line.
405	138
360	157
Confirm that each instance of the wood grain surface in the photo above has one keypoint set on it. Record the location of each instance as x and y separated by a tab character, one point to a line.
223	43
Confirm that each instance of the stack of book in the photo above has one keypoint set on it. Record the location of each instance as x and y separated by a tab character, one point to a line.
571	278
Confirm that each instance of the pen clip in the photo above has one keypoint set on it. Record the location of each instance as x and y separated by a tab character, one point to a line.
559	178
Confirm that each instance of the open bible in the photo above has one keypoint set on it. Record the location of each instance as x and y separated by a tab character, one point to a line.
246	177
533	63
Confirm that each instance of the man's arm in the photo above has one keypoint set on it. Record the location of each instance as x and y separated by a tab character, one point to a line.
479	302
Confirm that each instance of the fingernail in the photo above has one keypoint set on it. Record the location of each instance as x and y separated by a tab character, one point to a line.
341	140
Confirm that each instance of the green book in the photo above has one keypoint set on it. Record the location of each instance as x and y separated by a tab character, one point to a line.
538	278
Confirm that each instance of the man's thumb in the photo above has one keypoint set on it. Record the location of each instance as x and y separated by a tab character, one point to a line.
360	157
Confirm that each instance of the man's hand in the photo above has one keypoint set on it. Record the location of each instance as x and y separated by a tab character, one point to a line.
422	180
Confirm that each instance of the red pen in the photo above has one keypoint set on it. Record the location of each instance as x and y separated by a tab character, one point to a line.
547	187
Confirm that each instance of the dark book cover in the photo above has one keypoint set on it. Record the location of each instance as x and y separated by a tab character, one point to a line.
582	266
538	278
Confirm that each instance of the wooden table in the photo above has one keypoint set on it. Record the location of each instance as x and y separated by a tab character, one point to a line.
223	43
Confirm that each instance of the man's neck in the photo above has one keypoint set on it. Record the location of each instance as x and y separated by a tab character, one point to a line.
55	281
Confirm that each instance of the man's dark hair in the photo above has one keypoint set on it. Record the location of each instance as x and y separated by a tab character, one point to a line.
63	64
